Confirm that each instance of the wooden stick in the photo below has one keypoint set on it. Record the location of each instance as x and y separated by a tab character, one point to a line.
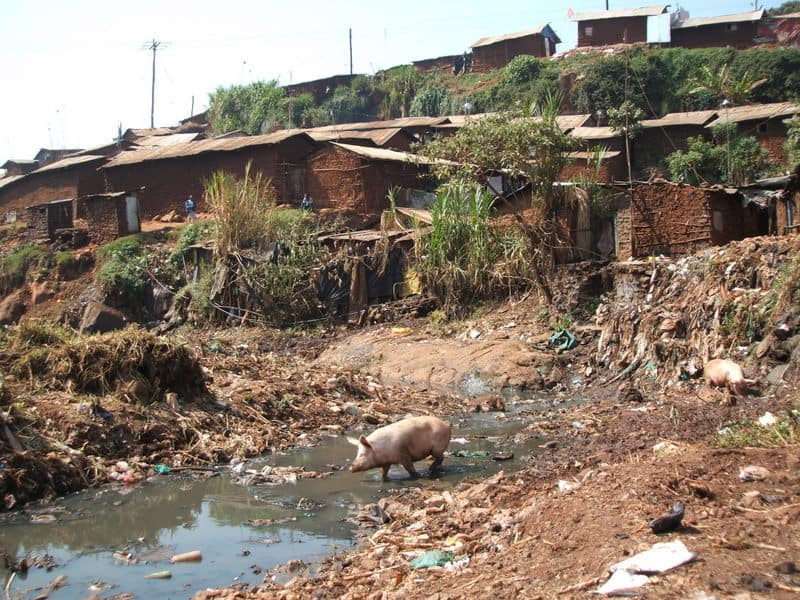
8	584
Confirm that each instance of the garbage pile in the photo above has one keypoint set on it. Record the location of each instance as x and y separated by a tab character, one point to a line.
670	316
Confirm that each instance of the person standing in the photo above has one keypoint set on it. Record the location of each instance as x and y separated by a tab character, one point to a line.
307	203
191	215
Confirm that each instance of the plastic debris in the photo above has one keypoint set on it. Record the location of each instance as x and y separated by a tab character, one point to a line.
767	419
664	448
670	521
753	473
662	557
193	556
567	486
159	575
472	454
562	340
577	425
461	440
622	583
162	469
431	558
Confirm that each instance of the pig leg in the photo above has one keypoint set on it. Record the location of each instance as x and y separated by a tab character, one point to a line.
385	469
409	466
436	465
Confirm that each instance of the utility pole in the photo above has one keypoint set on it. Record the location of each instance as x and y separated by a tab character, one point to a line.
351	50
153	46
606	4
191	112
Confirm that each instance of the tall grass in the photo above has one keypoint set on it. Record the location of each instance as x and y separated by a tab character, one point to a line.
465	258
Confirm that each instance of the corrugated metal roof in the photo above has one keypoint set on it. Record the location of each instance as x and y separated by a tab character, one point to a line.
201	147
461	120
165	140
755	112
390	155
645	11
494	39
405	122
19	161
572	121
696	117
70	161
794	15
594	133
4	181
378	136
592	155
420	214
735	18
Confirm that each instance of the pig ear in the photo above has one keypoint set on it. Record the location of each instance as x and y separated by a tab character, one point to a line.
352	440
362	440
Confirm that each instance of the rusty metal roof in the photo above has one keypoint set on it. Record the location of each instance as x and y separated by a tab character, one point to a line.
165	140
461	120
390	155
200	147
405	122
421	214
755	112
70	161
696	117
594	133
4	181
592	155
735	18
645	11
494	39
379	137
19	161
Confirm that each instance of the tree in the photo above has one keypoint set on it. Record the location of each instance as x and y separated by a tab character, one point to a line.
626	120
399	86
712	87
784	9
258	107
727	158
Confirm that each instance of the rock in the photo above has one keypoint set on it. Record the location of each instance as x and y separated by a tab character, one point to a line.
12	308
99	318
627	392
786	568
41	292
753	473
775	376
670	521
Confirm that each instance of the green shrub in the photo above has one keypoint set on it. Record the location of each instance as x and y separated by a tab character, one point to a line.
123	269
521	70
431	101
14	268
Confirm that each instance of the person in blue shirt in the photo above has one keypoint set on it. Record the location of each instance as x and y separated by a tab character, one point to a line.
307	203
190	214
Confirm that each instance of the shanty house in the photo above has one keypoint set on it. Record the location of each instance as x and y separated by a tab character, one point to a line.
658	138
171	173
494	52
675	219
762	121
452	64
66	178
45	156
628	25
583	165
358	179
18	166
592	137
737	31
109	216
44	219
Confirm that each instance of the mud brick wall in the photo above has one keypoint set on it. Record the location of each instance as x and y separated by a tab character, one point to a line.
742	35
104	216
319	88
612	31
44	219
40	188
336	178
443	64
169	182
770	134
496	56
611	169
623	226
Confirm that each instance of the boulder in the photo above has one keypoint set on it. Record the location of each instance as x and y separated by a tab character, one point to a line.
12	307
100	318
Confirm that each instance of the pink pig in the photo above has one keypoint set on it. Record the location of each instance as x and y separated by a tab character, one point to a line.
402	443
723	372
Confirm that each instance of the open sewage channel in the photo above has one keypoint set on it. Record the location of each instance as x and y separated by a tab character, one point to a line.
105	541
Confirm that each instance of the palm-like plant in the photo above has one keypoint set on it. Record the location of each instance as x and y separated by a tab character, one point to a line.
715	86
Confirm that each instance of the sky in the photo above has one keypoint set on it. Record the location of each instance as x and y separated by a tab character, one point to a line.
73	71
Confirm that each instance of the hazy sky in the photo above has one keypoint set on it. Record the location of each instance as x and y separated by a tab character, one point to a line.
71	71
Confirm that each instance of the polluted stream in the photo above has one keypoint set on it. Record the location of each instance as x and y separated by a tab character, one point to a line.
106	540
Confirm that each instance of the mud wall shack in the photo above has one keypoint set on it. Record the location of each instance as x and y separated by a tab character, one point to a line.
357	179
613	167
495	52
658	138
607	31
170	174
67	178
673	219
321	89
735	31
109	216
44	219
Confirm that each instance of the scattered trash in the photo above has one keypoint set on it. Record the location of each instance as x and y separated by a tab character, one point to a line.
567	486
753	473
431	558
401	330
577	425
670	521
193	556
622	583
474	334
215	347
159	575
122	471
662	557
162	469
767	419
57	583
503	456
43	519
665	448
562	340
472	454
461	440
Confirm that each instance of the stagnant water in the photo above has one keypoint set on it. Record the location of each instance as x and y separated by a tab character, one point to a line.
89	534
